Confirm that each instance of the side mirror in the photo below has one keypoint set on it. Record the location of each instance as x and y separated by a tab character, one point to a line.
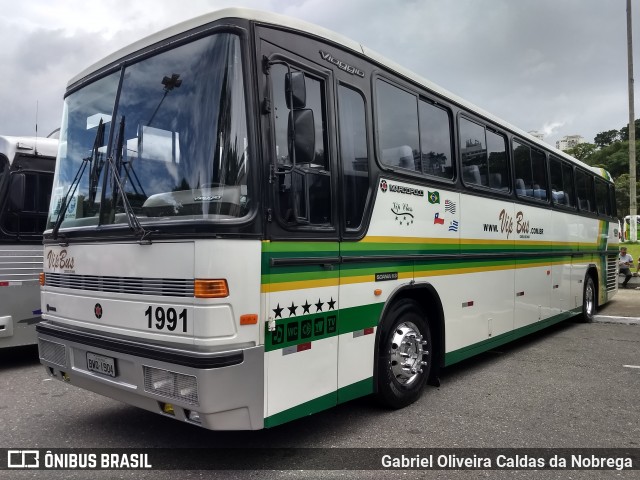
295	90
302	136
17	192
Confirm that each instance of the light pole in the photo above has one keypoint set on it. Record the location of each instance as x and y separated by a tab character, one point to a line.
633	207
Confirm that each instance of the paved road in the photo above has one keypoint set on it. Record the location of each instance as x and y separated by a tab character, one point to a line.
565	387
624	305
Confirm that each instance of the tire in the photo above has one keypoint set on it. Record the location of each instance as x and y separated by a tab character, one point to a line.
405	339
589	299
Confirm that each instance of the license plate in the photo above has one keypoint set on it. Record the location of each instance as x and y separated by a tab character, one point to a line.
101	364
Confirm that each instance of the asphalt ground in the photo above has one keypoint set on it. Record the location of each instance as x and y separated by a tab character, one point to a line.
624	307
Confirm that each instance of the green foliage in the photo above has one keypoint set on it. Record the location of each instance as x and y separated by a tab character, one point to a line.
604	139
582	151
614	158
622	194
624	131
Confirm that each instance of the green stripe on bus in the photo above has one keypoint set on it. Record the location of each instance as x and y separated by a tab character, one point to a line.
301	329
467	352
304	409
344	394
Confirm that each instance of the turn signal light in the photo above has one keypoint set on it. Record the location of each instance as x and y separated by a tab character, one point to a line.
41	275
248	319
210	288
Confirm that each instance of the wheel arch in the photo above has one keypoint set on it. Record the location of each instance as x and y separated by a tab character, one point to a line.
427	297
592	271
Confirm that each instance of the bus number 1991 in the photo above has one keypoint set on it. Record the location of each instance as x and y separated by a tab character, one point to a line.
168	318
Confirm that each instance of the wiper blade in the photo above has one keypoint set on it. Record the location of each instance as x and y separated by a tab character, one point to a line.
64	205
132	219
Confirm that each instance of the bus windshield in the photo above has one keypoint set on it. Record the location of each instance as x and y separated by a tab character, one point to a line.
173	140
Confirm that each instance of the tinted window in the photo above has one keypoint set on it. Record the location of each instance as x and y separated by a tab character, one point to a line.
522	166
539	174
353	154
531	171
397	116
602	198
31	218
586	199
498	172
561	182
435	141
484	156
612	200
473	150
569	185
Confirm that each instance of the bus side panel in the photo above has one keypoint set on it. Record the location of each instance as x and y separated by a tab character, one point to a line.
301	337
20	266
532	229
482	300
561	299
588	230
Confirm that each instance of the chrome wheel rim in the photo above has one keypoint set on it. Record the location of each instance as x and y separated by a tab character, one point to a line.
589	295
407	353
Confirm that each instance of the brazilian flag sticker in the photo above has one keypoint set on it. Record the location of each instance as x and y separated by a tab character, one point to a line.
434	197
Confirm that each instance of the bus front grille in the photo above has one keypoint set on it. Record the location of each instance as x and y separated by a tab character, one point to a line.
168	287
612	272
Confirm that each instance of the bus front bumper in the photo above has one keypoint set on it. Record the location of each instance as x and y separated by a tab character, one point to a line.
215	390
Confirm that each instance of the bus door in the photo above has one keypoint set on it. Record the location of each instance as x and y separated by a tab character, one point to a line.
300	267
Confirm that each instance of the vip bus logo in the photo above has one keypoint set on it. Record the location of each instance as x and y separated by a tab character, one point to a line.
60	260
383	186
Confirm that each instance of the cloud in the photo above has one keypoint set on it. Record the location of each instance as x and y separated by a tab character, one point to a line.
531	62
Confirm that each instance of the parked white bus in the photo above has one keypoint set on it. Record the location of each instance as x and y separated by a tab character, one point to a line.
255	219
626	227
26	174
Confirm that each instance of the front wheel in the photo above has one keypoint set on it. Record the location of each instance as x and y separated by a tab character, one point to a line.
589	300
404	354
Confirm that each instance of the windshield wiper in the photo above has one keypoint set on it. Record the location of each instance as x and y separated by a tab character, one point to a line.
132	219
64	205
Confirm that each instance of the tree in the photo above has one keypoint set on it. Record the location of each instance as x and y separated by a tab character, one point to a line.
622	194
624	131
613	158
604	139
582	150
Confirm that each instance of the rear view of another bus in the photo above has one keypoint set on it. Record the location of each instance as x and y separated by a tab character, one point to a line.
26	175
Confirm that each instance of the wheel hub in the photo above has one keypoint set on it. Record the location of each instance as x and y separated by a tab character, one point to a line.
407	353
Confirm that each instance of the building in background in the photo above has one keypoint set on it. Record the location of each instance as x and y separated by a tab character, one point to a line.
537	134
569	141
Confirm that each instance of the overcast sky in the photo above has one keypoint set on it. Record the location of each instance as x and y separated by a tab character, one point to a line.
557	66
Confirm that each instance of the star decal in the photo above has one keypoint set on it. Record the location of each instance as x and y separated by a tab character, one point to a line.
278	311
331	304
292	310
306	307
319	306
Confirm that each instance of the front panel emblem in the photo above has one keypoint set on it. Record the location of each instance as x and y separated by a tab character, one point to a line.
97	310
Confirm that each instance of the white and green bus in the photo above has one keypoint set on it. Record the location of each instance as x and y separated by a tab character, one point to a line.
255	219
26	174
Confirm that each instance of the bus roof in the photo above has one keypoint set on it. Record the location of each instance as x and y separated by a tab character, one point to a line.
9	146
315	30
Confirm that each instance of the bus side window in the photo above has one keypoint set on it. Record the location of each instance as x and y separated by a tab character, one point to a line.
353	155
304	188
